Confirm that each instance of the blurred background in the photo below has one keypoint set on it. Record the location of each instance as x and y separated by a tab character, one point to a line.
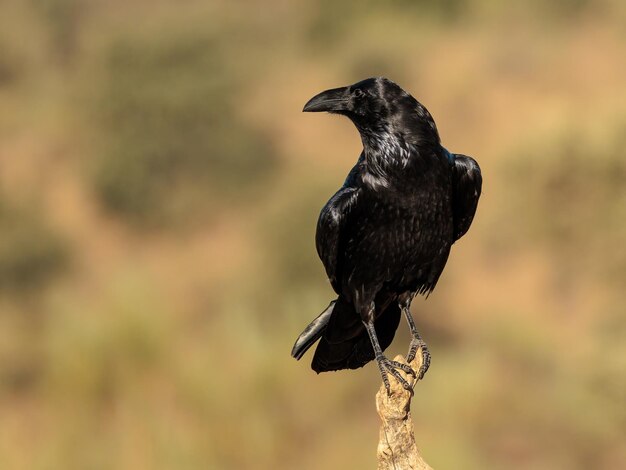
159	190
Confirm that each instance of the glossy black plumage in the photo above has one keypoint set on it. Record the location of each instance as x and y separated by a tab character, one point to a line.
385	236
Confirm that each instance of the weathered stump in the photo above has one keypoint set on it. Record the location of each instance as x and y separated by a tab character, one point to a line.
396	447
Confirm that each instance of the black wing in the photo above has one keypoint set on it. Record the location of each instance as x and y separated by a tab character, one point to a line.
466	186
331	224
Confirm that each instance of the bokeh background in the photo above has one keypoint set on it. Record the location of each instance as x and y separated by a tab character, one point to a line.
159	189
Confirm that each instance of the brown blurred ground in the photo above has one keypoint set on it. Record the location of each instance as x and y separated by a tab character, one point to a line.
159	190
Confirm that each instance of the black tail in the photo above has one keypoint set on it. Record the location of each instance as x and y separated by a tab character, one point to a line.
312	332
344	342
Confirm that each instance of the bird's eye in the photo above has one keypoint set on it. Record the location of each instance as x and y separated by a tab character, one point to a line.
358	93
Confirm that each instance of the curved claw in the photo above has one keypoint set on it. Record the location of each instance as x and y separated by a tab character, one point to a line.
405	367
406	385
425	364
421	345
386	365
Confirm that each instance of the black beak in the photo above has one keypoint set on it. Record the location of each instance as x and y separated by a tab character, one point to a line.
332	101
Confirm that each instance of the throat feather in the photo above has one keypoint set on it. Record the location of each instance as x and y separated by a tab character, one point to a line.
385	155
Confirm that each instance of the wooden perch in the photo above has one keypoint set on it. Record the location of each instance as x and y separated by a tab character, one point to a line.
396	447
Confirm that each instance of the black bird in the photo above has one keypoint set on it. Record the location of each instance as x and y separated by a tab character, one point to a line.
385	236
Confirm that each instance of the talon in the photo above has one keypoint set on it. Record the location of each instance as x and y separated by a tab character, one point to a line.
425	362
405	367
401	380
388	366
415	345
386	383
411	355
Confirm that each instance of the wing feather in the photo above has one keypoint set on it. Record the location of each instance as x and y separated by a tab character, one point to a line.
467	184
330	227
332	223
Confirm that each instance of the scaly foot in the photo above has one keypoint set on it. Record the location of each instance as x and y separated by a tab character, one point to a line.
418	343
388	366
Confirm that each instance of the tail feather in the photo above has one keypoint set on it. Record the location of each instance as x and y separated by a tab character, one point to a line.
312	332
345	344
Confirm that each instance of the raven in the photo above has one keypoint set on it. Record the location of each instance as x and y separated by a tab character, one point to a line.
385	236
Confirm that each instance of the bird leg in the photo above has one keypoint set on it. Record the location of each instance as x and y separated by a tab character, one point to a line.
416	342
386	365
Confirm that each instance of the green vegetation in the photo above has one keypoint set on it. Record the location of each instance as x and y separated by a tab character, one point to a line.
172	136
569	193
31	253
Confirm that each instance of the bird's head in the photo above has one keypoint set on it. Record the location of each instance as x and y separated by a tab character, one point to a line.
377	106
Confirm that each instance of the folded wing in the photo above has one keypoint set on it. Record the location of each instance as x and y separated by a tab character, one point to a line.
466	187
332	224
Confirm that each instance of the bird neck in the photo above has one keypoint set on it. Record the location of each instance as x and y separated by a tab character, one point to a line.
450	156
386	150
390	158
386	156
